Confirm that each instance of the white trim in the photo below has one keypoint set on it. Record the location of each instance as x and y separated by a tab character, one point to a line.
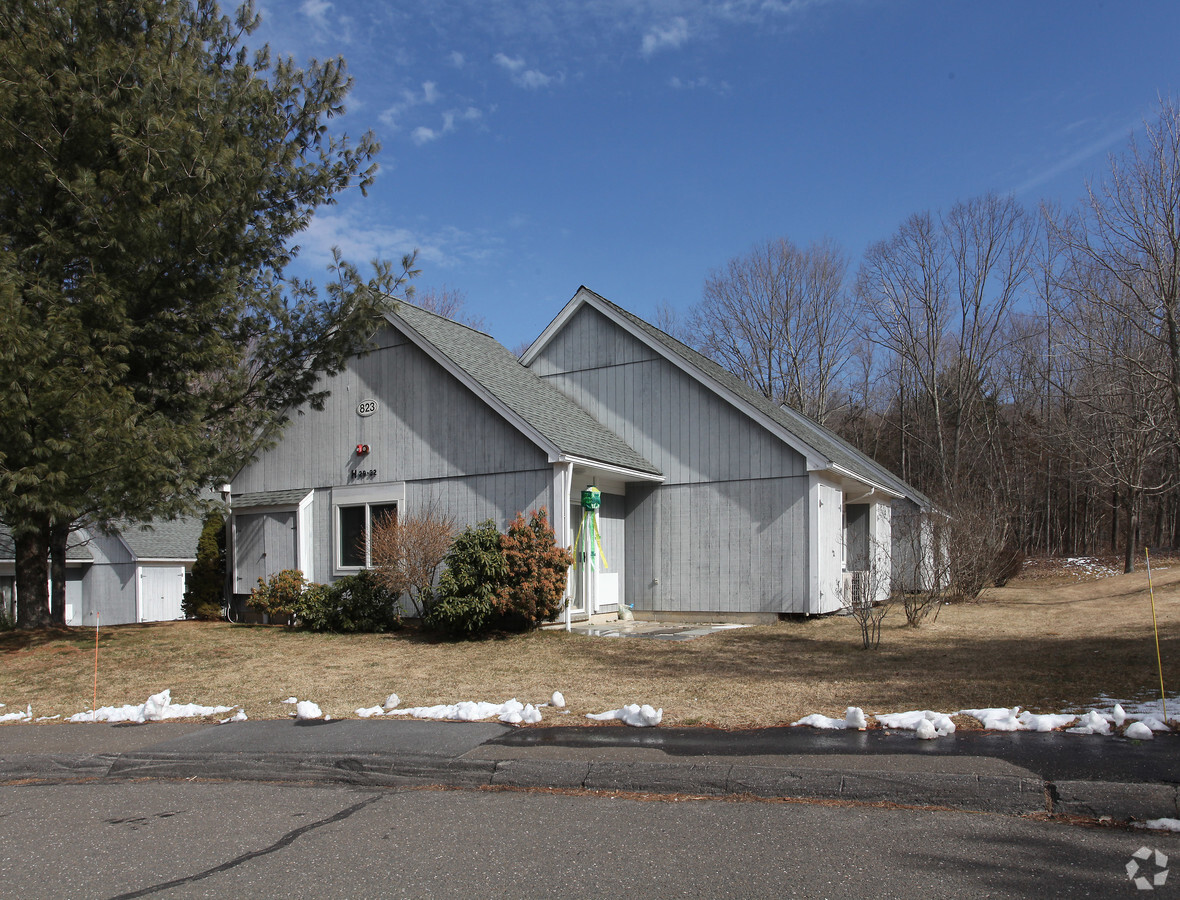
138	593
552	451
629	474
365	495
872	485
304	546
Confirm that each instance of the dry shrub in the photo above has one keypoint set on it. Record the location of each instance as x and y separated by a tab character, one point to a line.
406	552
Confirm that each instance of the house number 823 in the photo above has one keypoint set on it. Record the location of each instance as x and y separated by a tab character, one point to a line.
366	407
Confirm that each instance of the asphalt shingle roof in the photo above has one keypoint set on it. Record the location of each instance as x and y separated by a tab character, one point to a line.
544	407
269	498
163	539
810	433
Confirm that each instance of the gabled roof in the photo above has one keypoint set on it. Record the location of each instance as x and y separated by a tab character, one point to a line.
794	427
160	539
537	408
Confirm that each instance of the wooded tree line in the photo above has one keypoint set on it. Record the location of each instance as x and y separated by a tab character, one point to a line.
1019	365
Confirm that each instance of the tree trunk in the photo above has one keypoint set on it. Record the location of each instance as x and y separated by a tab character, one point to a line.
32	578
1129	538
58	537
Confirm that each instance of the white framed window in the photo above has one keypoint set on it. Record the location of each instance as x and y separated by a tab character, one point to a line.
355	510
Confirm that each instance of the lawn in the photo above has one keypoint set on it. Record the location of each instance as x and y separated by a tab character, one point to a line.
1046	642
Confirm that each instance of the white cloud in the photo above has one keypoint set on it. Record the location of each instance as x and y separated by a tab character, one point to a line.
457	59
316	11
333	27
423	135
667	37
508	62
525	78
360	241
429	95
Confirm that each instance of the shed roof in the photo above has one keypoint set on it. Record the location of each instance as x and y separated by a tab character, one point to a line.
823	440
491	367
258	499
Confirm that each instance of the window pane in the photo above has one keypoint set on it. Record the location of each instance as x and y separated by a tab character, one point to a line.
351	548
380	512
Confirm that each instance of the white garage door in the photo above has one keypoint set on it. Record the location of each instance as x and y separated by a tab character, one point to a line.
161	589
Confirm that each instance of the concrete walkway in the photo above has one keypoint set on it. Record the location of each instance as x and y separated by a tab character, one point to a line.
1014	774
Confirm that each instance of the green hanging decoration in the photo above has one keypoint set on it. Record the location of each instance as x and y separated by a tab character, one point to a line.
589	540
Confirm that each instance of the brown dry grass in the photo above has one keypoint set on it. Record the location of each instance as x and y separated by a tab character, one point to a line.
1043	647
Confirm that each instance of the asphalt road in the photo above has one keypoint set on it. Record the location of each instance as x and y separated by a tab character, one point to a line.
198	839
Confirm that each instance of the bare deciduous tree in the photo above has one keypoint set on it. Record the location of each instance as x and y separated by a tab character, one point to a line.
778	318
450	303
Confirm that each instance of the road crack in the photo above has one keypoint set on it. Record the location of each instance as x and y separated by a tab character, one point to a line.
285	841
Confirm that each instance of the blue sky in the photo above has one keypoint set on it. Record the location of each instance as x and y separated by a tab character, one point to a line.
635	145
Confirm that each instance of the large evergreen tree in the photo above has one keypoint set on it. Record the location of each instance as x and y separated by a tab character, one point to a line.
153	172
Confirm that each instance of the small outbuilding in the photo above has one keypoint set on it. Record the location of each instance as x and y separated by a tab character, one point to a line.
134	573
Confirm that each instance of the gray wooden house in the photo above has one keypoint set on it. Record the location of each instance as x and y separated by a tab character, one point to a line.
716	502
134	573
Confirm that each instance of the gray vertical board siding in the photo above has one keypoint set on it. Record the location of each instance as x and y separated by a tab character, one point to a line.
735	547
475	498
427	425
109	583
469	501
687	431
583	343
265	544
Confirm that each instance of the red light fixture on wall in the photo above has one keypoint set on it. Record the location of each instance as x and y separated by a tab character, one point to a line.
362	449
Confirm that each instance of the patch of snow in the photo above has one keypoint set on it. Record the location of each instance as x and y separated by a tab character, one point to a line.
926	730
557	700
631	714
48	718
1137	731
939	723
25	716
156	708
1000	719
1160	824
239	716
291	700
1138	707
306	710
513	712
1154	724
392	701
1092	722
370	711
854	717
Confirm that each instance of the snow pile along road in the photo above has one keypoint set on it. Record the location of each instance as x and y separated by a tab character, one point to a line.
511	712
927	723
16	716
631	714
157	708
854	717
